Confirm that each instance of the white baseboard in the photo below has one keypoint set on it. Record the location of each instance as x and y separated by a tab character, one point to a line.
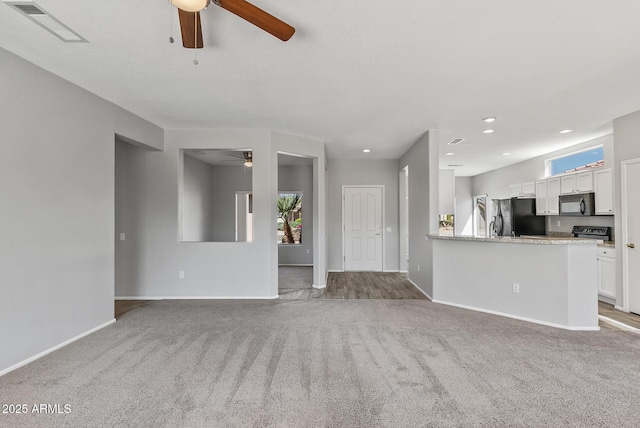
420	290
516	317
619	324
620	308
196	297
391	270
294	265
319	287
54	348
331	270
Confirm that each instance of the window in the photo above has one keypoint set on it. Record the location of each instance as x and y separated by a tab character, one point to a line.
290	218
590	158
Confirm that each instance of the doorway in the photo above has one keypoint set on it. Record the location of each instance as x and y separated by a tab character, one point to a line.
630	175
295	234
362	220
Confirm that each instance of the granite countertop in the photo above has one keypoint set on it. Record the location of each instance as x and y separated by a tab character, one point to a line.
607	244
536	240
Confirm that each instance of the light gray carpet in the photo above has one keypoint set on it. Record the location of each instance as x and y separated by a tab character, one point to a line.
320	363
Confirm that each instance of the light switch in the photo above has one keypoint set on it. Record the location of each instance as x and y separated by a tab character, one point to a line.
388	230
122	236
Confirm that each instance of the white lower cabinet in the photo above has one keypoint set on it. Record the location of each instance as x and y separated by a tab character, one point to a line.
606	272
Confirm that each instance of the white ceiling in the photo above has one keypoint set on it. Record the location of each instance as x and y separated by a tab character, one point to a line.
362	73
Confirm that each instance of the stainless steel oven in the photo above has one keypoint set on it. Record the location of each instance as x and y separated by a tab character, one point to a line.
578	204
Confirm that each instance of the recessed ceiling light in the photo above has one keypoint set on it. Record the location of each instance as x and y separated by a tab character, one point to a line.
449	154
506	154
366	151
488	131
455	164
489	119
566	131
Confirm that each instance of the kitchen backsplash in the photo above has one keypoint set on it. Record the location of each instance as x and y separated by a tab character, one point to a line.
567	222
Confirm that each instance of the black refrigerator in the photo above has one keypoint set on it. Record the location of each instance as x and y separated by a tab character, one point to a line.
515	217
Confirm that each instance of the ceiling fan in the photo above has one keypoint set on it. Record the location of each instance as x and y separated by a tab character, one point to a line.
191	29
246	158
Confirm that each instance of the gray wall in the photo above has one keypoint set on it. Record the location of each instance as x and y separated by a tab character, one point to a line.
626	130
298	178
57	176
198	217
363	172
211	269
227	180
463	220
422	159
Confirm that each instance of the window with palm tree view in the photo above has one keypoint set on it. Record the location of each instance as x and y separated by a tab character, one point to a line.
290	218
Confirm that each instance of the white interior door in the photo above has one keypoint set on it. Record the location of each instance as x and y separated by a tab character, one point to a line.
631	232
362	228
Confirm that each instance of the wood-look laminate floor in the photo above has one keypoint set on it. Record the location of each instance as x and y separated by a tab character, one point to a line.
360	285
124	306
370	285
609	311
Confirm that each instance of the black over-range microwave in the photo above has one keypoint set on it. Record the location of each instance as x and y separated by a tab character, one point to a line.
578	204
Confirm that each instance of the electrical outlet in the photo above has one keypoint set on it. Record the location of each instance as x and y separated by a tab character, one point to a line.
388	230
181	274
516	288
418	268
308	251
558	223
122	236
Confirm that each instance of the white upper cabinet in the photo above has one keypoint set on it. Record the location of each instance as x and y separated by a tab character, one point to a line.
568	184
529	188
515	190
585	181
603	187
547	196
553	196
541	197
522	189
576	183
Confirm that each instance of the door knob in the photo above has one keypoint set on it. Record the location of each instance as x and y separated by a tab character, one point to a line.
631	245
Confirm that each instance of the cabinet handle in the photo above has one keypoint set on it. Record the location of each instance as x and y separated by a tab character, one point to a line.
631	245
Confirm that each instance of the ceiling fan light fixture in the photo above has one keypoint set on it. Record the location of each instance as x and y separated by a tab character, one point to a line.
190	5
248	159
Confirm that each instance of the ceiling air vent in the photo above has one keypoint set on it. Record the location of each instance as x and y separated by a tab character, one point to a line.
455	141
47	21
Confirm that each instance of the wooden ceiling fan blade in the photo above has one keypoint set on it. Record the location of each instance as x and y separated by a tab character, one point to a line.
258	17
189	27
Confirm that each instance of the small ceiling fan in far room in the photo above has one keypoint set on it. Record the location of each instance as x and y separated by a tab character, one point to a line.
246	158
191	28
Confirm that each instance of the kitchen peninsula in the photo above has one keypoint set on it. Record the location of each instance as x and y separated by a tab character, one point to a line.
546	281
